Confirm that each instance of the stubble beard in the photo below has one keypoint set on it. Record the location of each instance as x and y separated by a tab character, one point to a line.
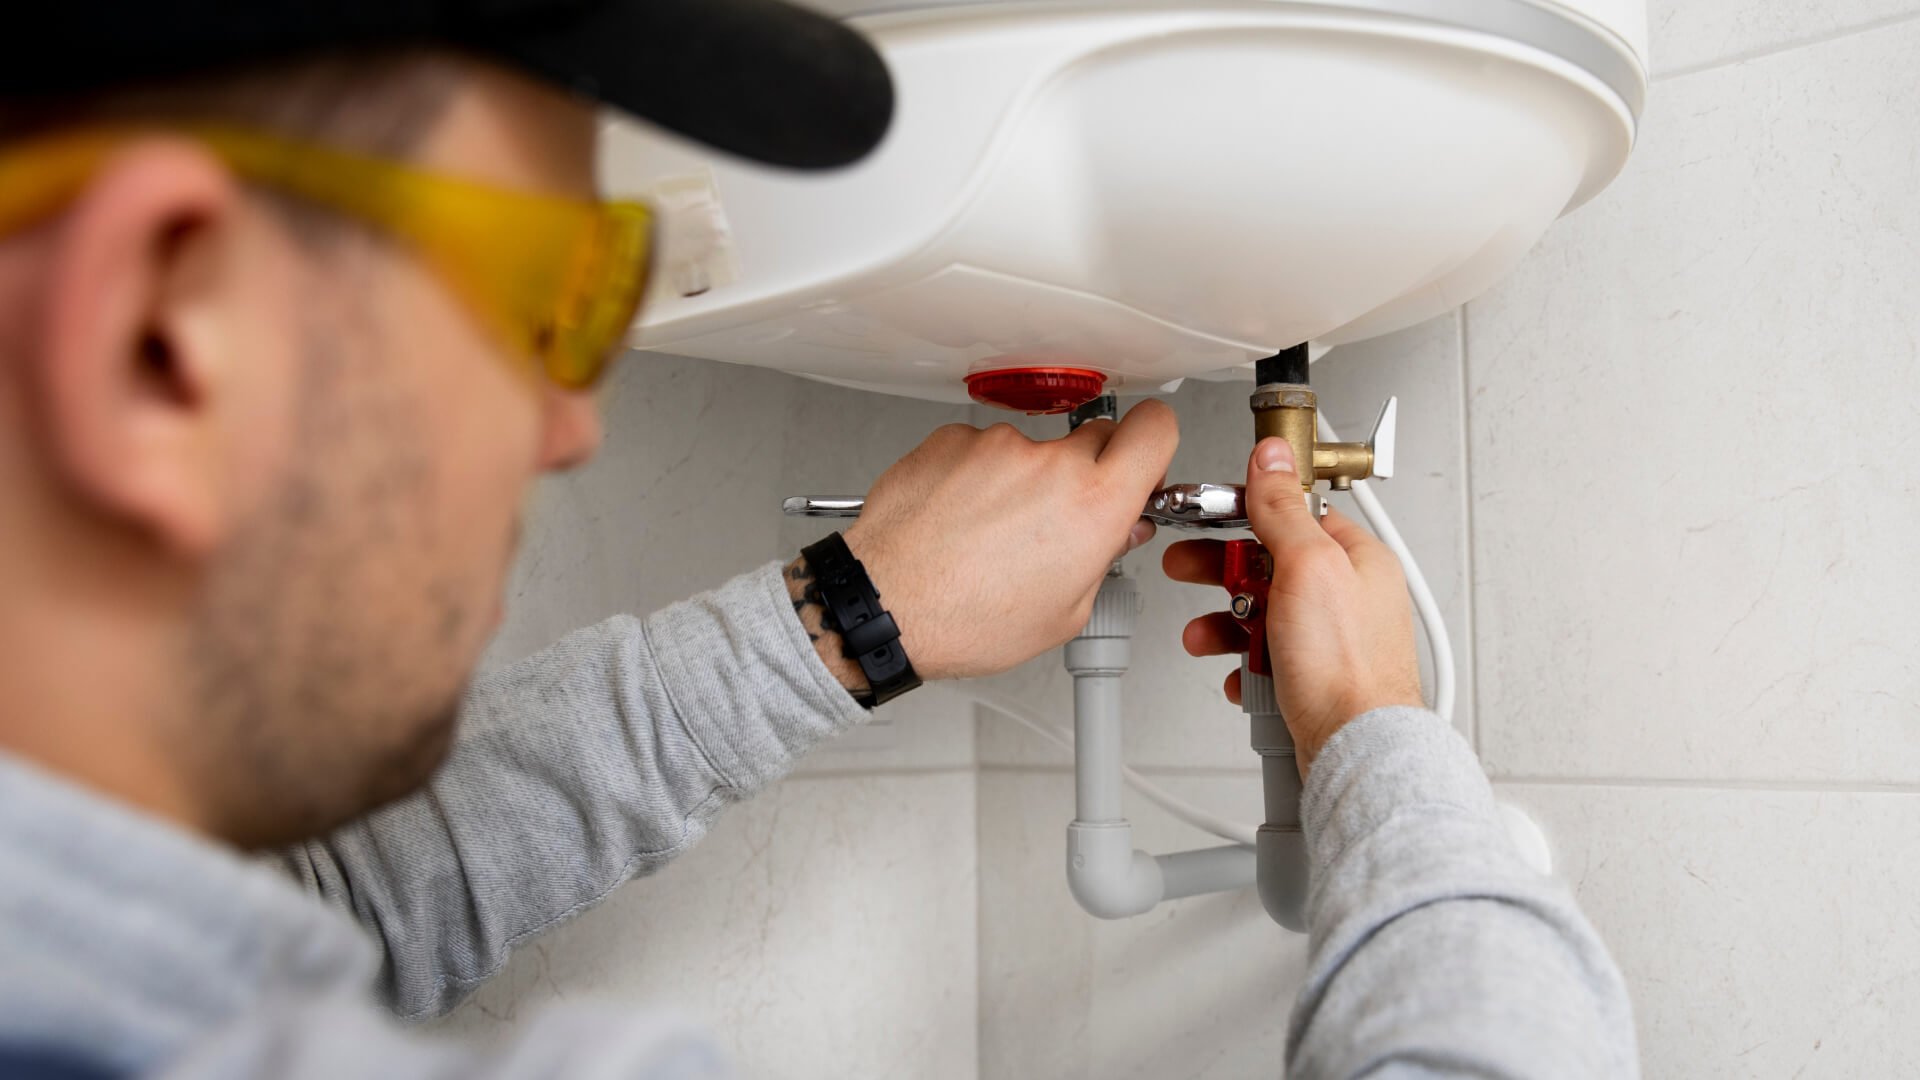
327	652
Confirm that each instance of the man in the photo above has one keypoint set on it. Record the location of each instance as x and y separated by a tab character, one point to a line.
293	306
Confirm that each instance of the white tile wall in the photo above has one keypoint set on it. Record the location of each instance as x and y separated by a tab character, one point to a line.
687	487
825	929
1764	933
1693	419
1691	34
1691	425
684	494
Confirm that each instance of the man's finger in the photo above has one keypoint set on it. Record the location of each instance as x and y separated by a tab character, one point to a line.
1141	533
1093	436
1361	546
1232	687
1275	508
1142	446
1218	634
1350	534
1196	562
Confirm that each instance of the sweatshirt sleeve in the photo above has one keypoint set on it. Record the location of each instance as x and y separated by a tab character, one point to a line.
590	763
1434	949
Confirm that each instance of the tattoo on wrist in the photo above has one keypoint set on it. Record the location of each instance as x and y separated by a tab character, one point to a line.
807	602
811	608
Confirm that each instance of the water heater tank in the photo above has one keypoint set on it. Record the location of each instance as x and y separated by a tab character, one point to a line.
1142	192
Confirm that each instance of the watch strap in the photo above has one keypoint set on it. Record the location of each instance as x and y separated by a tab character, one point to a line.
868	634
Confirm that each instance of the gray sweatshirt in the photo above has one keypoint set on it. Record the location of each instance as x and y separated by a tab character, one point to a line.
134	948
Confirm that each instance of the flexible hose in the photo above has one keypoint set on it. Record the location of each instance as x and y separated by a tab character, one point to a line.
1424	604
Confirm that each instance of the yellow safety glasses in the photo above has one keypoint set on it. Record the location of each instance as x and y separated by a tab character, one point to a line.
556	280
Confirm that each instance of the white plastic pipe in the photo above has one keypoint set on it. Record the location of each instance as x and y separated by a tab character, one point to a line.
1208	870
1107	876
1096	664
1282	873
1281	850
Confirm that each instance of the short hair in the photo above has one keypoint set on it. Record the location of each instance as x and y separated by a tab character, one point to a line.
381	102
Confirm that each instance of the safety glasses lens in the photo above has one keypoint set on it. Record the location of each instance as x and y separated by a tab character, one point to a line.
608	297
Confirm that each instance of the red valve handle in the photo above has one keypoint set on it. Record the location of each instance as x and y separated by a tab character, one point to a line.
1248	576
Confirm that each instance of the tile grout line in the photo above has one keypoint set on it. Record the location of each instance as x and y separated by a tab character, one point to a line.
974	773
1203	772
1780	784
1835	787
1472	631
1765	51
977	771
844	773
1197	772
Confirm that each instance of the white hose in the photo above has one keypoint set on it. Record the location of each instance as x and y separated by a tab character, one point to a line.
1435	625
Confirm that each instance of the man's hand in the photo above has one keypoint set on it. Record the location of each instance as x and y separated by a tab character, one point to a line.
1339	625
988	547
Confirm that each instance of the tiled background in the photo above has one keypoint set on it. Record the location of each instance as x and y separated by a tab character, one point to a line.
1663	480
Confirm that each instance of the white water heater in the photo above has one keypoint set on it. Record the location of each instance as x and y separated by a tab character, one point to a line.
1076	196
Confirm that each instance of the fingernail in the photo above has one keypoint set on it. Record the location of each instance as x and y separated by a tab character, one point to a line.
1142	532
1274	455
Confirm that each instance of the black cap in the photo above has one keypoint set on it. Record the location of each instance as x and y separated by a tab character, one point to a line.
760	78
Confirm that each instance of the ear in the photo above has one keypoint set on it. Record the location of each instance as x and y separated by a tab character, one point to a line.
148	324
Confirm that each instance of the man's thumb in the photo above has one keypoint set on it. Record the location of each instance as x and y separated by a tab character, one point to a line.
1275	508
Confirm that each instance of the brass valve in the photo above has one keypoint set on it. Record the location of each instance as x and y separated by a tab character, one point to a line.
1291	411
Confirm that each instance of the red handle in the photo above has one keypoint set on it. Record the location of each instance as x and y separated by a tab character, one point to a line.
1248	576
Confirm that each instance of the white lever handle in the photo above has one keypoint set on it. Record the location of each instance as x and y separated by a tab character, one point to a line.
1381	442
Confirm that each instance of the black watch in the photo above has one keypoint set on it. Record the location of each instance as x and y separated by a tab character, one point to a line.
867	633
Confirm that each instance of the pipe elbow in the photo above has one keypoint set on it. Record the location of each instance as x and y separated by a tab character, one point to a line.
1281	873
1108	878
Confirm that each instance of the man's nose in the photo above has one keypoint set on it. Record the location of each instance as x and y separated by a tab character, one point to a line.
573	429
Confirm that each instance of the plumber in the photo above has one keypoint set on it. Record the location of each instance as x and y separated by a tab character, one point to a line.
295	301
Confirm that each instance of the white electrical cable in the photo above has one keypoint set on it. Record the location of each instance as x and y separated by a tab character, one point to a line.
1424	604
1435	624
1159	796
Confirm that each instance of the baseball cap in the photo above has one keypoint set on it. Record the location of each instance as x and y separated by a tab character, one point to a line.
763	79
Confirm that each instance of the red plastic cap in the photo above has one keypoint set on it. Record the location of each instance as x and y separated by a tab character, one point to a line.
1037	390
